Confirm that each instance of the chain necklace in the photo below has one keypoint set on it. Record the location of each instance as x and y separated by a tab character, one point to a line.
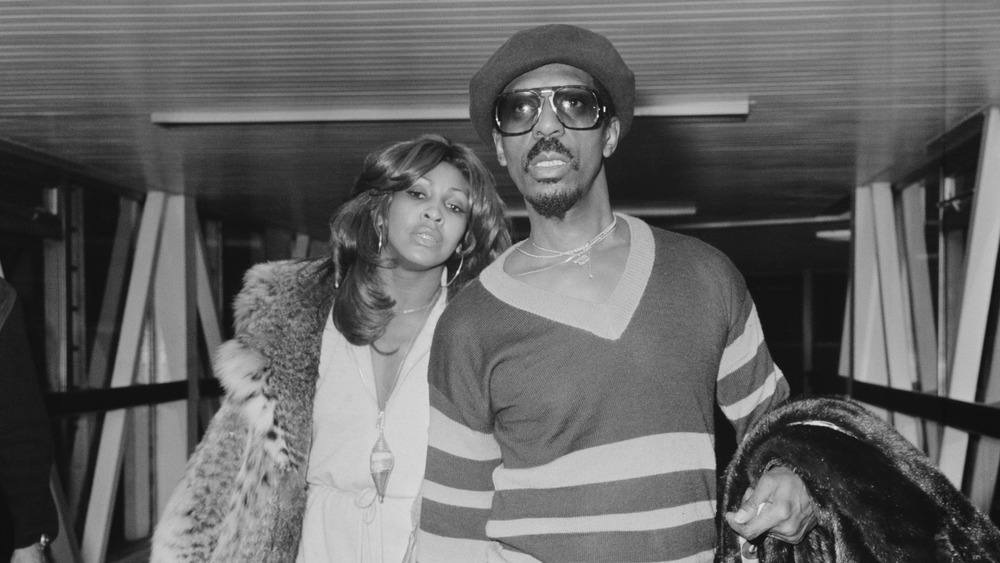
422	307
382	460
579	255
549	267
582	249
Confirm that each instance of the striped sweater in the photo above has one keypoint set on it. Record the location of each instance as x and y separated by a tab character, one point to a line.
571	431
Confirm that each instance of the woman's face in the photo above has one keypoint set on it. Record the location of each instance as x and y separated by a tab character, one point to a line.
427	220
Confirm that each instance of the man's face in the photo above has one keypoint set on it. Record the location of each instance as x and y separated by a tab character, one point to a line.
552	166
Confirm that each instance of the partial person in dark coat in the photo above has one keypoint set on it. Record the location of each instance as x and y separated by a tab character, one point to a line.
877	498
28	519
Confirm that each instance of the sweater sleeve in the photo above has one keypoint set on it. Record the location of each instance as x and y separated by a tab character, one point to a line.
462	451
749	382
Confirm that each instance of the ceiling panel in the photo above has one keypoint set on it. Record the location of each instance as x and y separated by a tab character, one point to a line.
841	92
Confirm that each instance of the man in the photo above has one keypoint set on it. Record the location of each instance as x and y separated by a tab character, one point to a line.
573	384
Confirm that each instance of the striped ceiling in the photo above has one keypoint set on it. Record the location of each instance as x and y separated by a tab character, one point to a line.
841	92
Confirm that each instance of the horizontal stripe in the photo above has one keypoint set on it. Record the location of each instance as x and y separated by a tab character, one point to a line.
744	348
745	380
678	543
628	459
432	548
482	500
675	544
617	497
635	521
459	472
453	521
451	437
747	405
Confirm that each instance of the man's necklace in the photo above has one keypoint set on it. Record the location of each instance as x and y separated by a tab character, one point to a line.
579	255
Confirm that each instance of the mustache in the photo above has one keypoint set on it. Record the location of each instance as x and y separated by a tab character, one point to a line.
548	144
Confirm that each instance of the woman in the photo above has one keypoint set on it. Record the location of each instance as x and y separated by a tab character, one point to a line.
323	431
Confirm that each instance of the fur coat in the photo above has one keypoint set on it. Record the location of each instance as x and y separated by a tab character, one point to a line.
243	494
877	497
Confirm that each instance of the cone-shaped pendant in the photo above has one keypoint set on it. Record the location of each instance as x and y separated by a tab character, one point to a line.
381	465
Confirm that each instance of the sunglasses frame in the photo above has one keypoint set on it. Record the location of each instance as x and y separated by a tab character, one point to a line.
601	108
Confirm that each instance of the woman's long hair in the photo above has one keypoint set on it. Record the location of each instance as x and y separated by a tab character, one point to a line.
361	308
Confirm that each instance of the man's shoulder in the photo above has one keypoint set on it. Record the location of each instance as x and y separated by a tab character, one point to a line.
676	250
679	243
468	301
471	310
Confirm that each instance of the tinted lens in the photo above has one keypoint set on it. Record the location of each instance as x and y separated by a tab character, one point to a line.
577	108
516	111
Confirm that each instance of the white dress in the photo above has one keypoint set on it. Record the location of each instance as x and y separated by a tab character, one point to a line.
344	521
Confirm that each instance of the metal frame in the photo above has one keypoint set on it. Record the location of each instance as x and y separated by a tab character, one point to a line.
895	339
97	523
896	317
168	290
913	218
98	375
869	362
980	267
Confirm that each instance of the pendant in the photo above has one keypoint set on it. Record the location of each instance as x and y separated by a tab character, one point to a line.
381	461
581	259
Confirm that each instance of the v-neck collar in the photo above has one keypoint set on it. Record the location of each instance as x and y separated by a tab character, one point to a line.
366	367
606	320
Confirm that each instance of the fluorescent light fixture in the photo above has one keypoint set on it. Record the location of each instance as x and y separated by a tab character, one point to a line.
650	210
778	222
695	105
835	235
413	113
708	105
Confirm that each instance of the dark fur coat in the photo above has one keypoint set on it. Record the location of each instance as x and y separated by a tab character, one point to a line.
243	495
878	498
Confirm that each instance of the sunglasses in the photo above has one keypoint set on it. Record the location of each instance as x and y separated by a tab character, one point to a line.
576	107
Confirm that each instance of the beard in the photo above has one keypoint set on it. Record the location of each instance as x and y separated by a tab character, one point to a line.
555	204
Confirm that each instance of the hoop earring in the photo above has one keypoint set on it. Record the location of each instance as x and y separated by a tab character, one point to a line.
460	264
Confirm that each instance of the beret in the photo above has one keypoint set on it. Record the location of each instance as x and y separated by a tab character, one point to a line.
556	43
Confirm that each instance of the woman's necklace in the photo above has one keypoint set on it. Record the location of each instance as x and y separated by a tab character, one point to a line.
422	307
579	255
381	460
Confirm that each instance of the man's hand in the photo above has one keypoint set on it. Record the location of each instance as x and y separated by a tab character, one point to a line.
779	506
30	554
